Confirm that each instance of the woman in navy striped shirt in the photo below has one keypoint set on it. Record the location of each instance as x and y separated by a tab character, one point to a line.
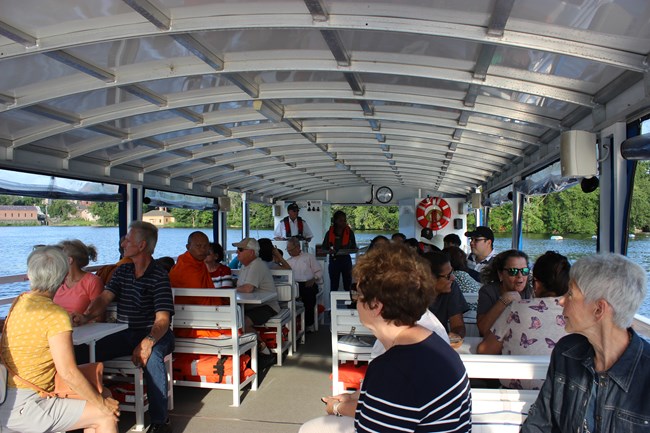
419	384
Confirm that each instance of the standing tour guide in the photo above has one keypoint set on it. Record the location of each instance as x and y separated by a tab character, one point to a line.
292	226
339	242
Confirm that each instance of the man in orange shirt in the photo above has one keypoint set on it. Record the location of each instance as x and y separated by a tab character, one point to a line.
190	270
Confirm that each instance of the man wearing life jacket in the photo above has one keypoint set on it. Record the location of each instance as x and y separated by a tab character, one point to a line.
292	226
340	242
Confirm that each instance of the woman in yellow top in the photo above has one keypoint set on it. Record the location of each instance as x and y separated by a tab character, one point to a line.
36	344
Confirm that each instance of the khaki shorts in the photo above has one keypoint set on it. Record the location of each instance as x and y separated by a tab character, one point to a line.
24	411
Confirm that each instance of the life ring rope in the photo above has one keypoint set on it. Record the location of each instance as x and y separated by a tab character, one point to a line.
433	213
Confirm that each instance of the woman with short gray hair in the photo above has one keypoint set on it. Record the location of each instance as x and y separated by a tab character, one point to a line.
598	376
36	344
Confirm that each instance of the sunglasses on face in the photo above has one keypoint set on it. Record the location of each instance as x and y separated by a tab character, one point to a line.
475	240
355	295
514	271
240	249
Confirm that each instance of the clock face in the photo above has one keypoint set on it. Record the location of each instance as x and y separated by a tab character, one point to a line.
384	194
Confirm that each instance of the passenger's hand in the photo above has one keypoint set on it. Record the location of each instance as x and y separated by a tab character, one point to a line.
455	340
341	398
112	407
512	296
142	353
78	319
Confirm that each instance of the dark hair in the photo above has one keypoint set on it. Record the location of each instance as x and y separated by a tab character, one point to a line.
437	260
402	236
490	274
375	240
337	214
413	243
166	262
217	249
398	278
452	238
552	271
457	258
266	249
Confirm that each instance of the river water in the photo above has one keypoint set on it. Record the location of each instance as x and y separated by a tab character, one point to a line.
19	241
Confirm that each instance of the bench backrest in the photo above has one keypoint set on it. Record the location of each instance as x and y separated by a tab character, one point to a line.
208	316
344	318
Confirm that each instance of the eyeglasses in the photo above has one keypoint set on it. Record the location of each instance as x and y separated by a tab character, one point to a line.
355	295
448	276
240	249
514	271
477	240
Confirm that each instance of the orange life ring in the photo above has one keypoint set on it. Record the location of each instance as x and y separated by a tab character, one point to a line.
433	213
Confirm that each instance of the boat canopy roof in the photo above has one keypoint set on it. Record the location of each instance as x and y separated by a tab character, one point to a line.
292	99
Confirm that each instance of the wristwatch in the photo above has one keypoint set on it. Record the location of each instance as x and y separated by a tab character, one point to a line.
335	409
152	338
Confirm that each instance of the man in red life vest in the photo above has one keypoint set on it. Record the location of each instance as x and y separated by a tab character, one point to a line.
292	226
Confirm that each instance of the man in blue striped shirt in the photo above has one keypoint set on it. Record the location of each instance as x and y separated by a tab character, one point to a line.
144	301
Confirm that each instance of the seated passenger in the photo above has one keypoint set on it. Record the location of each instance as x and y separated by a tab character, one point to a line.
221	274
377	241
36	344
308	274
467	279
419	383
272	256
190	271
166	262
598	377
449	305
255	276
397	238
532	326
106	272
79	288
507	281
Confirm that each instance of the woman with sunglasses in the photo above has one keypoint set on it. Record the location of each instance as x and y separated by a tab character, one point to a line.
507	281
532	326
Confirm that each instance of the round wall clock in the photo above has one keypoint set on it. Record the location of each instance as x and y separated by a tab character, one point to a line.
384	194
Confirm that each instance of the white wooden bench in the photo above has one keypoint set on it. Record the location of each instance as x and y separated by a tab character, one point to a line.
502	410
287	293
229	317
344	319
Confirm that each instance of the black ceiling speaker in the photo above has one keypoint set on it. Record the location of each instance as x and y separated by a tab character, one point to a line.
589	184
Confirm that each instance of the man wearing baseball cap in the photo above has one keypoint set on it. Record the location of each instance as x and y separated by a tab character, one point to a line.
292	226
255	276
481	242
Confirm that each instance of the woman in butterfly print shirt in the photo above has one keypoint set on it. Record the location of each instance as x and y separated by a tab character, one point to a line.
532	326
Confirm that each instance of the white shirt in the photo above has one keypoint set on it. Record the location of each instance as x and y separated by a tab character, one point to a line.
305	267
483	263
280	231
428	320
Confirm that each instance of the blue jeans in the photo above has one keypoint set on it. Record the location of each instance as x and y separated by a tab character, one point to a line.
122	344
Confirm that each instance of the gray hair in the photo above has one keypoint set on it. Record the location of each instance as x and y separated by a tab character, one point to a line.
293	241
146	232
81	253
614	278
46	268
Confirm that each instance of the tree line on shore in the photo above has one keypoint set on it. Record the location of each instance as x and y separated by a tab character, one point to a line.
565	212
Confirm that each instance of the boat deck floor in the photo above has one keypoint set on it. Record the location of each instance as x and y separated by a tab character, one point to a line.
286	397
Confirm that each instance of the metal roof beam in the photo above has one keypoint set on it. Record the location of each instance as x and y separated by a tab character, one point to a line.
17	35
318	10
148	95
335	44
188	114
220	129
500	15
54	113
200	51
251	89
151	12
354	80
110	131
82	65
484	61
